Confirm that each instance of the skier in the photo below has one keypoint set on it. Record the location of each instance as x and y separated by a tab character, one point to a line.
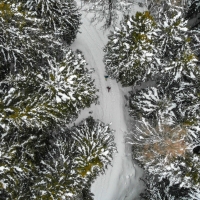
108	88
106	77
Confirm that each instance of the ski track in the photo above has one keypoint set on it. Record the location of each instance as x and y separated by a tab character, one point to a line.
121	180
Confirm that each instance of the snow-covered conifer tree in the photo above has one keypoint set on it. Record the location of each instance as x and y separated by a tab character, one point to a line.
168	9
29	47
54	163
38	165
193	9
173	34
172	106
176	60
164	152
60	17
36	99
157	144
154	103
95	147
58	176
163	190
195	194
129	51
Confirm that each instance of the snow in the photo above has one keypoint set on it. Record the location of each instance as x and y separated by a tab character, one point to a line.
121	180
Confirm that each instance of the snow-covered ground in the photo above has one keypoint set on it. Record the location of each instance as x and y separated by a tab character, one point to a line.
121	180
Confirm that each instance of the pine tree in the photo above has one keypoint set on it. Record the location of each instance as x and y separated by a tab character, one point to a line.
165	147
38	165
173	34
58	177
35	99
60	18
163	190
154	103
176	73
164	152
129	50
193	9
54	163
168	9
157	144
176	60
195	194
41	91
21	43
95	147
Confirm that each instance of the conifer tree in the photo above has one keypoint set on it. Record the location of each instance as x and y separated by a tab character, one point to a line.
163	151
35	99
38	165
172	106
193	9
60	18
29	47
95	147
43	87
54	163
195	194
163	190
153	103
129	50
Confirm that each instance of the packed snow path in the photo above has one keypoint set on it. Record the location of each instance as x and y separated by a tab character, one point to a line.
121	180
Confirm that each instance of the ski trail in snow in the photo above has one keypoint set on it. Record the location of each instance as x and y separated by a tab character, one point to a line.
121	180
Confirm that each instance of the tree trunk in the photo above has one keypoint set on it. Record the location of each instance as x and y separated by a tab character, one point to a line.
110	8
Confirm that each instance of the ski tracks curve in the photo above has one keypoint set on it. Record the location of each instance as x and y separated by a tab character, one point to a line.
119	181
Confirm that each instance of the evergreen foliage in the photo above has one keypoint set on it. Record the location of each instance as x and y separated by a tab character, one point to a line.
171	8
157	46
193	9
60	18
173	34
195	194
54	164
95	142
43	87
21	42
38	165
164	146
34	99
163	152
129	50
157	145
154	103
163	190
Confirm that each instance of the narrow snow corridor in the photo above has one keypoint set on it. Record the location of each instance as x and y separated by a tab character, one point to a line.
121	180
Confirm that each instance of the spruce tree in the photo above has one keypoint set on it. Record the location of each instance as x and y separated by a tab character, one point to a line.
54	163
95	147
153	103
193	9
23	45
164	152
35	99
129	50
60	18
163	190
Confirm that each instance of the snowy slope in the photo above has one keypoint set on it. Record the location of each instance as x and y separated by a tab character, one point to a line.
121	181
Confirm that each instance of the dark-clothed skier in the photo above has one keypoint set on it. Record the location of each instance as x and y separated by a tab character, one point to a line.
108	88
